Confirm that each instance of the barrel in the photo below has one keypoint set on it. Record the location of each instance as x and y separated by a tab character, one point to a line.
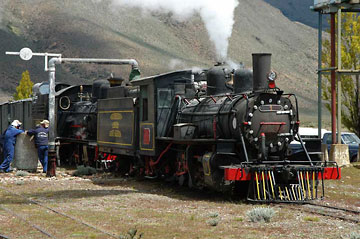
25	157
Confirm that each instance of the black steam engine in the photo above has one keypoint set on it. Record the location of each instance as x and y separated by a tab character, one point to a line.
219	128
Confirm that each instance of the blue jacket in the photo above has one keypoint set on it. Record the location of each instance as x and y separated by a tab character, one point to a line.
10	135
41	135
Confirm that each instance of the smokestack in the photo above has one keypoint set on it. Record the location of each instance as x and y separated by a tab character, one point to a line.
261	69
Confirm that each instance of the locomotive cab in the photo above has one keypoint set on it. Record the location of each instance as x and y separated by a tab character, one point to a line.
161	97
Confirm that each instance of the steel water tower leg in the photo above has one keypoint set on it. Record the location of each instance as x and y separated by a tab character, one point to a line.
333	78
339	76
319	74
52	127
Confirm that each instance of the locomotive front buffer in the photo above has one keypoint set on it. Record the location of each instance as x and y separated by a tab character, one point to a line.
283	182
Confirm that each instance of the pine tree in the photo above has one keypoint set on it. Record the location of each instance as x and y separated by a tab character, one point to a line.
24	90
350	59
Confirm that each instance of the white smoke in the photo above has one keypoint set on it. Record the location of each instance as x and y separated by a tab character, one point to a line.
234	65
176	64
218	16
196	70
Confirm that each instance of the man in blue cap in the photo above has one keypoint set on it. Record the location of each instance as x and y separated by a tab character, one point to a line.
9	145
41	134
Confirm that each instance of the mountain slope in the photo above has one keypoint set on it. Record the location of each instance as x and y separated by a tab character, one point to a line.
298	10
84	28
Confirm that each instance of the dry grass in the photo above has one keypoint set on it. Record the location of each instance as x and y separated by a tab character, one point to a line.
347	189
311	219
117	205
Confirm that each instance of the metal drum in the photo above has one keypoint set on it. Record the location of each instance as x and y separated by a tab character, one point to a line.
26	157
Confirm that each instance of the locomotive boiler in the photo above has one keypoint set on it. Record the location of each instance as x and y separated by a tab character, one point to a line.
262	118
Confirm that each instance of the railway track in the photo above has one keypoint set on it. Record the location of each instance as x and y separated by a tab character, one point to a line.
21	218
48	210
344	214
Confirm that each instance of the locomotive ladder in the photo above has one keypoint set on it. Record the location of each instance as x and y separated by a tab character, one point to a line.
264	187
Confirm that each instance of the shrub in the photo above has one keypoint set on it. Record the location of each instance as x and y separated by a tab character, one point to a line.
19	182
83	170
131	234
213	222
355	235
21	174
261	214
214	214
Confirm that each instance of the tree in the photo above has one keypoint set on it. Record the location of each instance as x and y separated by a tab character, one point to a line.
24	90
350	84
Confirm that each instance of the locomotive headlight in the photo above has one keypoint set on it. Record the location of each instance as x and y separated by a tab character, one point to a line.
286	107
270	100
255	107
272	77
234	123
251	115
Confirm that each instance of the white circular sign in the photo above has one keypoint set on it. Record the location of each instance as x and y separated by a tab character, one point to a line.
26	54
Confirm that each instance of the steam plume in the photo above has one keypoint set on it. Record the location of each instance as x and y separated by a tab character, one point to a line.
176	64
218	16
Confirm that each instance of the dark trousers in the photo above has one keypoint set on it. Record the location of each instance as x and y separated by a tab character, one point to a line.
8	157
43	156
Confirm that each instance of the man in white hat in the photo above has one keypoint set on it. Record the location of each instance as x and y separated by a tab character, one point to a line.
41	134
9	145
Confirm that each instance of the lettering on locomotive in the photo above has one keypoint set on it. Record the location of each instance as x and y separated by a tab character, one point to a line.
116	116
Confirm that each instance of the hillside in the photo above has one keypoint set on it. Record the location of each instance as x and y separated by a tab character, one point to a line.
299	10
84	28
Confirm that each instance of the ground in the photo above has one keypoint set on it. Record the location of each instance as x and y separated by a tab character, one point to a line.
105	206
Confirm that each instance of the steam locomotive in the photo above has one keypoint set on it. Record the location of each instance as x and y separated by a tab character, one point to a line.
218	128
